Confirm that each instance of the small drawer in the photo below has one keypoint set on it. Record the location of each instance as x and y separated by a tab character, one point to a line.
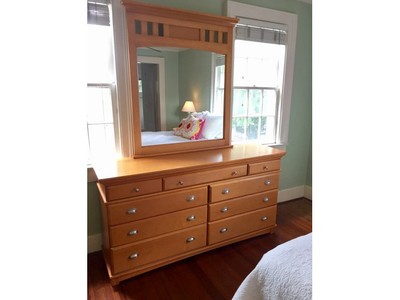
157	204
133	189
151	227
175	182
232	227
229	208
263	167
246	186
153	250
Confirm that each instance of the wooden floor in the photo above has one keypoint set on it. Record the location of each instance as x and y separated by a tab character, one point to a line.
212	275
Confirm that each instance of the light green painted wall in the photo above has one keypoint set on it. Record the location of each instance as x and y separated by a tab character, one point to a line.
195	71
296	165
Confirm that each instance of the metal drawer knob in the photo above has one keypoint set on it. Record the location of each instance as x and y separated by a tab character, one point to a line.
267	182
224	209
265	168
234	173
180	182
266	199
133	232
223	230
136	190
131	211
133	256
190	198
190	239
265	218
225	191
191	218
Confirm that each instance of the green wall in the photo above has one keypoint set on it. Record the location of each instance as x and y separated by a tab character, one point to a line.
296	165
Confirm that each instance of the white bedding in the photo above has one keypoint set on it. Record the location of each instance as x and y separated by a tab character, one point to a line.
150	138
283	273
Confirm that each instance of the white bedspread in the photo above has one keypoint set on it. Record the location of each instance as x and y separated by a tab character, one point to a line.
283	273
150	138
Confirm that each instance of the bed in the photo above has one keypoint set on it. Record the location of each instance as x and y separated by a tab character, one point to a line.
197	126
283	273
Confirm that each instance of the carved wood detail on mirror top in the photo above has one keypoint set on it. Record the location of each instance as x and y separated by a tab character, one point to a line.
156	32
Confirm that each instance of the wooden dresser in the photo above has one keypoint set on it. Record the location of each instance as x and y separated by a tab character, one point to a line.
159	210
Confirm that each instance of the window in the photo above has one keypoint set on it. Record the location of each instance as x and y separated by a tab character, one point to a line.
101	88
263	74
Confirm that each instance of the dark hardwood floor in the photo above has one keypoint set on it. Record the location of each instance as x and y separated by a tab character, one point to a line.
212	275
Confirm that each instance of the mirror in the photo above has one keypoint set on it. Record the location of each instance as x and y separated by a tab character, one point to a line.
167	77
174	56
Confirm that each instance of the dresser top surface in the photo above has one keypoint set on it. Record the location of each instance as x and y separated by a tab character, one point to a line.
111	169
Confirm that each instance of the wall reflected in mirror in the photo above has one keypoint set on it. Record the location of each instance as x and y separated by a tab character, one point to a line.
170	76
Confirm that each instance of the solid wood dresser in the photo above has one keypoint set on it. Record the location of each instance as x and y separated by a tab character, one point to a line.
159	210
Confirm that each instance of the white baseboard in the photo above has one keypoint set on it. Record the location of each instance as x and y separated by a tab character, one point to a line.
294	193
308	192
95	240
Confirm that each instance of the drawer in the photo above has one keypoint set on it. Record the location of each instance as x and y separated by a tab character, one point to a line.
246	186
228	208
175	182
151	227
225	229
157	204
155	249
133	189
263	167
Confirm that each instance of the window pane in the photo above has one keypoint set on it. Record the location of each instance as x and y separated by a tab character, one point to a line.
252	129
238	126
100	54
269	102
254	102
239	102
101	139
100	123
270	131
99	105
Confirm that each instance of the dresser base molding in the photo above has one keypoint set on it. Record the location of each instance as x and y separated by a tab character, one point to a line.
115	279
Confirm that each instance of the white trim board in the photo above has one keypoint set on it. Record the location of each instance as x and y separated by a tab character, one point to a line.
294	193
95	240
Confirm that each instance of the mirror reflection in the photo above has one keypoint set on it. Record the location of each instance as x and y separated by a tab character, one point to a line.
168	78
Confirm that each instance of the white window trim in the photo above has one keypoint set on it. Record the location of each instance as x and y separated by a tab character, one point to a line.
118	20
240	10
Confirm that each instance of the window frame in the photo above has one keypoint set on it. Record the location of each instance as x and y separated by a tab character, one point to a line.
246	11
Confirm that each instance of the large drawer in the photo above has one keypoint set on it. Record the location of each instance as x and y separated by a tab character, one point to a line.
263	167
175	182
151	250
228	208
228	228
133	189
151	227
161	203
230	189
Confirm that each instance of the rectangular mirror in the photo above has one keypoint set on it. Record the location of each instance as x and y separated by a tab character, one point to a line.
167	77
177	56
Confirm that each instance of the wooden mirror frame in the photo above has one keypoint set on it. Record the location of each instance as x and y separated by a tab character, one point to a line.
159	26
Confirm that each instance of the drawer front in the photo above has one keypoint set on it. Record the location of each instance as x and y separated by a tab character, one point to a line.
236	188
151	227
150	206
175	182
152	250
263	167
226	229
134	189
225	209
